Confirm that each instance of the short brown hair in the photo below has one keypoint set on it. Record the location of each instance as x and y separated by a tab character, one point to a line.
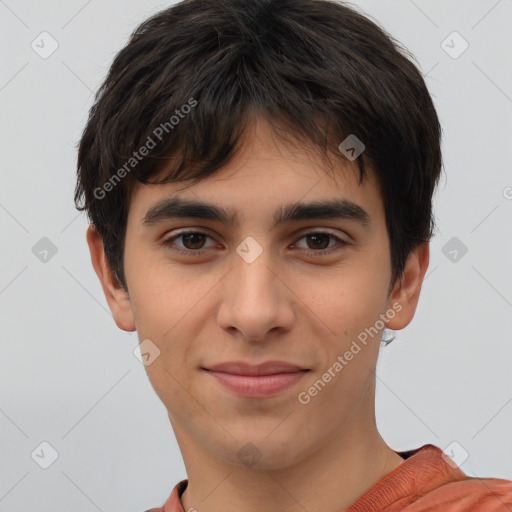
316	67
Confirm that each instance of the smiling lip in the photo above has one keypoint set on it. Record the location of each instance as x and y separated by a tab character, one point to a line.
261	380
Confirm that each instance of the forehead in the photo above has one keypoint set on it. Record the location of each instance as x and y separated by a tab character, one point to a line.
267	171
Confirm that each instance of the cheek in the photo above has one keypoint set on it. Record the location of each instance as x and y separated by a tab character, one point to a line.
169	309
346	303
350	310
164	306
162	293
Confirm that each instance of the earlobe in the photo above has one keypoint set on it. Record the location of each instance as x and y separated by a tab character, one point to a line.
117	298
406	292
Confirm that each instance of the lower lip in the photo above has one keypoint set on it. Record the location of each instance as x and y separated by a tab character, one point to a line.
257	386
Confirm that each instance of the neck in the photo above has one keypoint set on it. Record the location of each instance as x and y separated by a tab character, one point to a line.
329	479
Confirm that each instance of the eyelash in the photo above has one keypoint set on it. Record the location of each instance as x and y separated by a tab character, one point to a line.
199	252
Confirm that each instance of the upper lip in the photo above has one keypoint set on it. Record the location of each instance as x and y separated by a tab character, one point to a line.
266	368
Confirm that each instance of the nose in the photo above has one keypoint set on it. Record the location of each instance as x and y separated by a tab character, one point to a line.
256	299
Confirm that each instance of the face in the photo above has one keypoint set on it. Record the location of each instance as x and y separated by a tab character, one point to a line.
302	291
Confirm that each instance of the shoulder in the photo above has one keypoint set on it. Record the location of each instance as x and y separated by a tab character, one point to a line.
428	480
468	495
448	488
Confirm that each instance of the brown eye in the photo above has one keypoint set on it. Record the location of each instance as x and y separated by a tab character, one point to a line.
319	243
192	242
319	240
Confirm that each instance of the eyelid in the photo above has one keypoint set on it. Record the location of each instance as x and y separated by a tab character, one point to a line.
168	240
340	241
325	231
299	234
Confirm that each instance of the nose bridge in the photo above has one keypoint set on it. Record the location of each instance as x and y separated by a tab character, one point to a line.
254	299
254	282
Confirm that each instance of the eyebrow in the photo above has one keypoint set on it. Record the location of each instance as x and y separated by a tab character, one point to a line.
339	209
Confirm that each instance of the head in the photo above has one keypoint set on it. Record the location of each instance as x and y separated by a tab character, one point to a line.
301	244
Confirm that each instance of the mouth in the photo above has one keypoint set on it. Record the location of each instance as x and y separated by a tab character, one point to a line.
256	381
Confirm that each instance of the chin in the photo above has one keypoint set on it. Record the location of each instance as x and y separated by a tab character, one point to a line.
266	451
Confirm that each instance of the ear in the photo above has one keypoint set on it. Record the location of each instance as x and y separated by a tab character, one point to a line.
117	298
406	291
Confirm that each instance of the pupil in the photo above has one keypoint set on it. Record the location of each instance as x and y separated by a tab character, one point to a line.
192	235
316	237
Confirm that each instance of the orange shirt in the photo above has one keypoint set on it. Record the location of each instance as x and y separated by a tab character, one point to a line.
424	482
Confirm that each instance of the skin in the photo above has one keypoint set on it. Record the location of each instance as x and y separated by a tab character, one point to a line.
286	305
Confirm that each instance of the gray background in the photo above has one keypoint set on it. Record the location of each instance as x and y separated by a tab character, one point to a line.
69	376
